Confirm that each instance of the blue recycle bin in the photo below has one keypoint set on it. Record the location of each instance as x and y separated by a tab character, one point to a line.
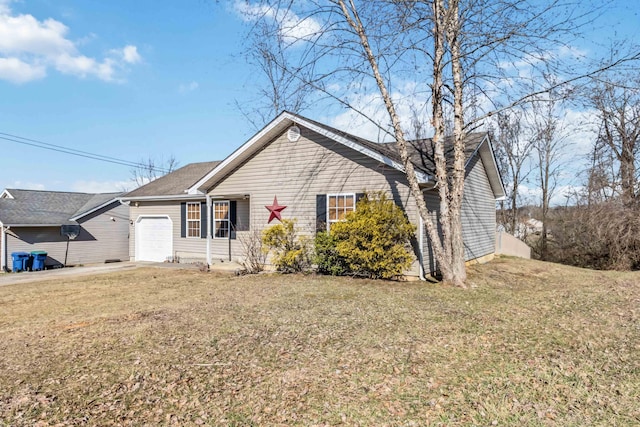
39	258
20	261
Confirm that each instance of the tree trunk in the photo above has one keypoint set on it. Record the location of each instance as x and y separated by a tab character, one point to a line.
457	186
351	15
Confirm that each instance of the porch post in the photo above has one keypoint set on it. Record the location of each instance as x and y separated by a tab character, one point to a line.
208	218
421	247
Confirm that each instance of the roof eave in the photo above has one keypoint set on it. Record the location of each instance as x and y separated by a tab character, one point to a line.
162	198
5	194
485	148
36	225
272	130
97	208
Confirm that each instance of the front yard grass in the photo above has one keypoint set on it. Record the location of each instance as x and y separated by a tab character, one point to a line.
531	344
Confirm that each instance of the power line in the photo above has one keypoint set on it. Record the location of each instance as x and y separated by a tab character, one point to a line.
78	153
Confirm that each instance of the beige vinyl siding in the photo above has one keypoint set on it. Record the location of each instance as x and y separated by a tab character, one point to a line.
478	216
220	247
478	212
432	200
191	248
296	172
100	239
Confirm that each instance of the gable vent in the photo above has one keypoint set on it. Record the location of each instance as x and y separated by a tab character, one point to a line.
293	134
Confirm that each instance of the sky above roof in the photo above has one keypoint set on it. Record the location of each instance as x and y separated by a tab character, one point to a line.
132	80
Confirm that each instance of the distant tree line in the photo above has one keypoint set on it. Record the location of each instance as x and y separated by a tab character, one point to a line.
599	225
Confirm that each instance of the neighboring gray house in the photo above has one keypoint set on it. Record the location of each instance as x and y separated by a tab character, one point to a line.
314	170
33	220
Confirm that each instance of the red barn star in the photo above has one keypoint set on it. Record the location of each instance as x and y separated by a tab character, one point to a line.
276	210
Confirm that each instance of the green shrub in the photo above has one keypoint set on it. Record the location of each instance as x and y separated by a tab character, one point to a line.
290	251
374	240
327	258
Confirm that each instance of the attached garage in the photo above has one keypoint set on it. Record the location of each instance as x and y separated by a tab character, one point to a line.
154	240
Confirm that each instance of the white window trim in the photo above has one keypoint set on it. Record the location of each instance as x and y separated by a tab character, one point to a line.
228	220
193	220
329	222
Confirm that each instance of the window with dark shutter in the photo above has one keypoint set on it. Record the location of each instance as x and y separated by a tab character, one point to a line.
203	220
321	212
183	219
233	208
221	220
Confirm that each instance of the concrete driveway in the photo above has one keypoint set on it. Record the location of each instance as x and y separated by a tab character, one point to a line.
38	276
88	270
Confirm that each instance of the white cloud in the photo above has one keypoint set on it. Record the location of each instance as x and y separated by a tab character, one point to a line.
292	27
562	195
188	87
27	185
32	46
17	71
131	55
102	186
4	6
581	130
407	96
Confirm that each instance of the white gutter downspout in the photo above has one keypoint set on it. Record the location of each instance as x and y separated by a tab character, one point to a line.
3	249
421	247
208	216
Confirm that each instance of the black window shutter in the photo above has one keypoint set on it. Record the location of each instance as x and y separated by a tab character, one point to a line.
321	212
203	220
183	219
232	218
360	196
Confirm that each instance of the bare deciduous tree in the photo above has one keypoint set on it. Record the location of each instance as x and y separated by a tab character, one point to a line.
150	169
513	152
548	138
458	52
616	99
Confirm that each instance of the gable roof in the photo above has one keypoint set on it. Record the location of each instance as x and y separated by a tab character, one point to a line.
278	125
386	153
172	185
49	208
421	154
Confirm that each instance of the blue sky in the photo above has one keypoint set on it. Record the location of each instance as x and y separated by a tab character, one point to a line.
132	80
174	96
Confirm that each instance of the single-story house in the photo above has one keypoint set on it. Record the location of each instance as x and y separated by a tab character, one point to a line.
300	169
73	228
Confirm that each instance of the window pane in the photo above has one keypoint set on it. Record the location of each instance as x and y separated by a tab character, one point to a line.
333	215
221	223
349	202
222	211
332	201
222	229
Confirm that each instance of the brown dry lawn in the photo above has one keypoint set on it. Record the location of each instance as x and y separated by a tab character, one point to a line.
531	344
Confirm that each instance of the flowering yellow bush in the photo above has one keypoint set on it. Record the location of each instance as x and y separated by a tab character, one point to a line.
374	240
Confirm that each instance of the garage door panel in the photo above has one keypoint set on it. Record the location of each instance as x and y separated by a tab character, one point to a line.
154	239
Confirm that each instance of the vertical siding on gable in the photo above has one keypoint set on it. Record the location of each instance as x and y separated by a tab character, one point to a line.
296	172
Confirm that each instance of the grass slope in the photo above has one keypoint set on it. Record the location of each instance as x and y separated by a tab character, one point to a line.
531	344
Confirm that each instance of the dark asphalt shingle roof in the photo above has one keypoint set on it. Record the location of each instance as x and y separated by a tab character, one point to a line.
420	151
35	207
176	182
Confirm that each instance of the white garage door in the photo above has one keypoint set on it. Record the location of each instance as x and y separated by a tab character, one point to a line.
153	238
